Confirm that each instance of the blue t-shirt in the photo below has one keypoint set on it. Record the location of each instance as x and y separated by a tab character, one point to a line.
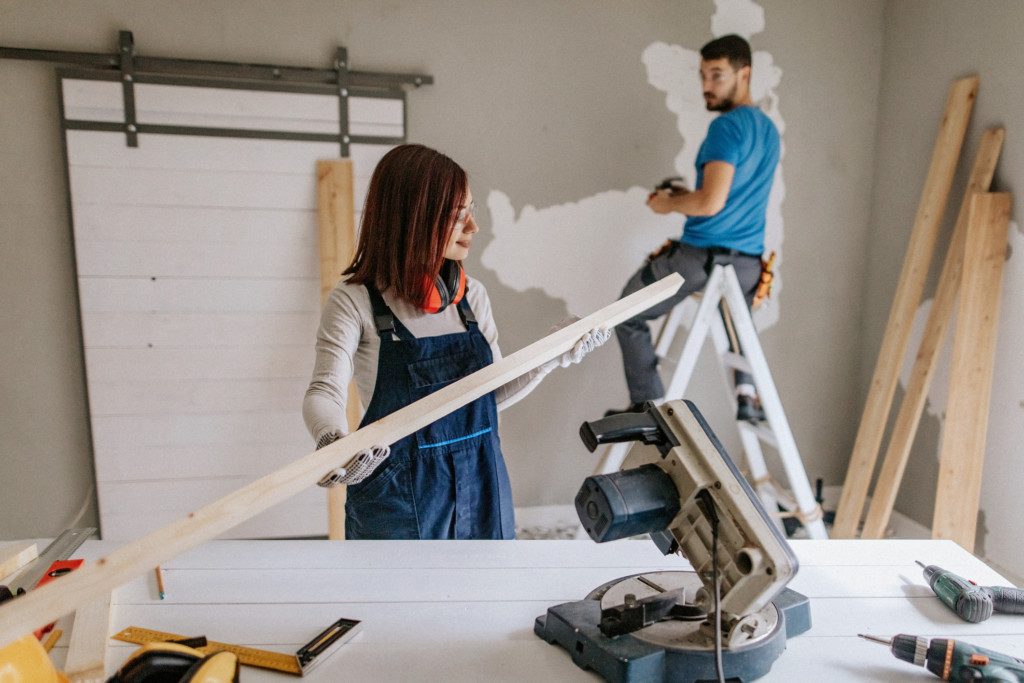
746	138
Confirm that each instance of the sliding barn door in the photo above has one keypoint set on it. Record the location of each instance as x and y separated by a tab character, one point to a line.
198	277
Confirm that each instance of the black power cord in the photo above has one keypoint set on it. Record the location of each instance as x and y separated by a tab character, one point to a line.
707	504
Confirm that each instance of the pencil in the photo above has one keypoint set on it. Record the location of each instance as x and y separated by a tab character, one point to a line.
160	582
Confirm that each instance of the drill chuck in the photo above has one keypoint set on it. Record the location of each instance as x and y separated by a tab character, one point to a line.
913	649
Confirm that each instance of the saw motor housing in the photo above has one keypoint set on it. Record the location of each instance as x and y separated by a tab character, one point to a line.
674	483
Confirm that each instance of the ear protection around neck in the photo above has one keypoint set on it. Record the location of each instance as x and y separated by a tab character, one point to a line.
447	288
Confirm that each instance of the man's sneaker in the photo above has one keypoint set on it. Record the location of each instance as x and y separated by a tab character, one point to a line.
632	408
748	409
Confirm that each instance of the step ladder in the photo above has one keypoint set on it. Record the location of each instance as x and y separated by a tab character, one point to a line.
722	303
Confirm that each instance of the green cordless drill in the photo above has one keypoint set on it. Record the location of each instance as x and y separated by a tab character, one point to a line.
954	660
970	601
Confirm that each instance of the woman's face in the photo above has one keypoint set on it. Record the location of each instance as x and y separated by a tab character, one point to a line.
462	234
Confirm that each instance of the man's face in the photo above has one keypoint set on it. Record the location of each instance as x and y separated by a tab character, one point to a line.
722	85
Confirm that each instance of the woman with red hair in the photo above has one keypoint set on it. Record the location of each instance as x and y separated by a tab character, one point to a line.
406	321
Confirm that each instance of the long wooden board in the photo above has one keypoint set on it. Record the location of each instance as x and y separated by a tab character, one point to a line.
932	205
970	383
898	452
89	583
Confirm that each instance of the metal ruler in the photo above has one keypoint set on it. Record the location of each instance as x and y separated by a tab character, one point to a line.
61	549
308	656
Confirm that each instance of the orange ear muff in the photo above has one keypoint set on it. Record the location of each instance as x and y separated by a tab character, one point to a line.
447	288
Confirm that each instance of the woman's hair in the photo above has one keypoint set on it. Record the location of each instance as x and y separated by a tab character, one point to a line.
414	195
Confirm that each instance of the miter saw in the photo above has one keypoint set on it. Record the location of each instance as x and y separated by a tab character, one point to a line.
678	484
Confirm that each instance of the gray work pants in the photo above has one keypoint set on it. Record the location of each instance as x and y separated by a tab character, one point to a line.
694	264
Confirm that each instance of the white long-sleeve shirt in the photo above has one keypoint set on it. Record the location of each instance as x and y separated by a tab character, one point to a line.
347	344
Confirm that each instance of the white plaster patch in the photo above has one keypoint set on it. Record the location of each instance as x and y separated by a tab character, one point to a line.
580	252
609	234
741	17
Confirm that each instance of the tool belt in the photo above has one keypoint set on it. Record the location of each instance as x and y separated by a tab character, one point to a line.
764	286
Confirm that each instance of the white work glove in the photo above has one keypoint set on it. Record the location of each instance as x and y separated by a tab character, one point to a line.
359	467
587	343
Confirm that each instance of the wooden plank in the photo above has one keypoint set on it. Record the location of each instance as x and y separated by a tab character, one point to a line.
898	452
970	386
336	214
14	556
946	152
87	649
49	602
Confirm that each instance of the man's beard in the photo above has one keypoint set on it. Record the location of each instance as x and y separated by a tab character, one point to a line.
727	103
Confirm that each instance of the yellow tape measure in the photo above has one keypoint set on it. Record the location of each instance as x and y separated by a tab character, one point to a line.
309	655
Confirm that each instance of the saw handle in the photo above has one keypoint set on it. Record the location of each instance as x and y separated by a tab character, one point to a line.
622	427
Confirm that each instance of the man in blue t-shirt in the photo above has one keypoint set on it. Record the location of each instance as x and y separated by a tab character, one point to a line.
725	215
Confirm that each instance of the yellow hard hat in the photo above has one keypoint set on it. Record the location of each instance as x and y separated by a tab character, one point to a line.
25	661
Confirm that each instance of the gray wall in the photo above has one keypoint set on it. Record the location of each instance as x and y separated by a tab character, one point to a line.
920	63
547	102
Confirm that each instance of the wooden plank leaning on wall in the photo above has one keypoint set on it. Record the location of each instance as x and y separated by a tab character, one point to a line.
916	263
335	201
90	582
970	380
898	452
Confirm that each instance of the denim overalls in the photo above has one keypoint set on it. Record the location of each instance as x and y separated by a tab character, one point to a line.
448	479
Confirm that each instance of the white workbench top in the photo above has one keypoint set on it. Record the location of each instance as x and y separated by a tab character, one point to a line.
464	610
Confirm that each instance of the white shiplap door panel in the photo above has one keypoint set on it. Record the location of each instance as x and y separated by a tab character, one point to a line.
198	274
246	329
93	100
214	226
283	429
191	259
276	362
246	109
163	461
169	295
227	108
183	495
182	187
222	189
99	149
287	520
194	396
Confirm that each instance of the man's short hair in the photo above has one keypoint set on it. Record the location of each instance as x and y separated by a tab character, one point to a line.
733	47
